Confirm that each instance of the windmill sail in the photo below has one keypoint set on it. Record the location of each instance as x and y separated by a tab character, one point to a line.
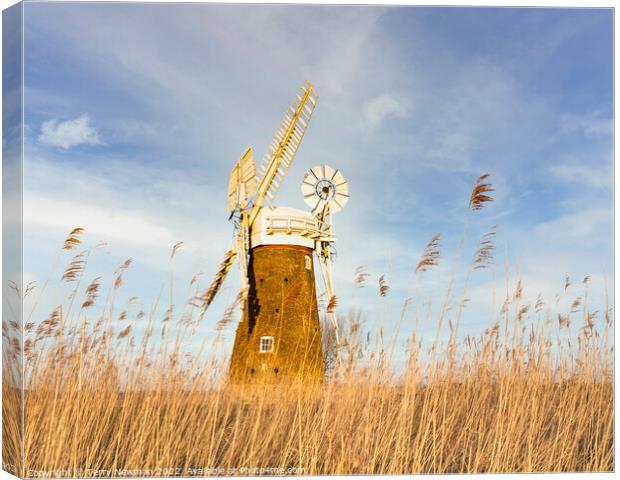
242	184
284	145
222	271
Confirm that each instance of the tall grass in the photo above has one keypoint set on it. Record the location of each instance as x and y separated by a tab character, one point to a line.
100	398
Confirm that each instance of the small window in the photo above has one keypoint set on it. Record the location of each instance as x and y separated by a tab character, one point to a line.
308	261
266	344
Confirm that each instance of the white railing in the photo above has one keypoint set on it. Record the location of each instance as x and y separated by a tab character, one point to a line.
295	225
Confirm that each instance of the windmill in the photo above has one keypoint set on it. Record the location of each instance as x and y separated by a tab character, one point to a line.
279	335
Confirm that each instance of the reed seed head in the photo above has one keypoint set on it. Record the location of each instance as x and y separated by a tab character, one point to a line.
431	254
479	195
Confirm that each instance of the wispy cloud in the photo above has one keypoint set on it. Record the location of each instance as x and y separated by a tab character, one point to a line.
68	134
594	177
128	205
591	124
387	105
103	222
591	223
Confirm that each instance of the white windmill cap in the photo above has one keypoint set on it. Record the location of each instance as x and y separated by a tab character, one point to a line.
284	226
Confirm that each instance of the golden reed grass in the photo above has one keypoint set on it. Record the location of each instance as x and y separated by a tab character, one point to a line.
102	400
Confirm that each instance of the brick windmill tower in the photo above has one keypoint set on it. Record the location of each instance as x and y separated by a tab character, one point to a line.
279	334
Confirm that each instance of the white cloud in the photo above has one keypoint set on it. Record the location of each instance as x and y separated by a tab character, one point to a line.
590	176
142	219
104	223
384	106
592	124
69	133
600	127
592	222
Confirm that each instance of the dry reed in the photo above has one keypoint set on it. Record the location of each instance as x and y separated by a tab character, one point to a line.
94	402
516	399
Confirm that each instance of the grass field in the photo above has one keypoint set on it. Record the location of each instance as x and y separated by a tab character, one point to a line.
102	400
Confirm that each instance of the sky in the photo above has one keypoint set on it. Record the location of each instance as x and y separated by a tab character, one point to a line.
136	113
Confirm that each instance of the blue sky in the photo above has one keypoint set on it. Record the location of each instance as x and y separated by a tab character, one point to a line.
135	115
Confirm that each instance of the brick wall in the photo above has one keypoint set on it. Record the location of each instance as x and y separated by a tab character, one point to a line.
281	304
